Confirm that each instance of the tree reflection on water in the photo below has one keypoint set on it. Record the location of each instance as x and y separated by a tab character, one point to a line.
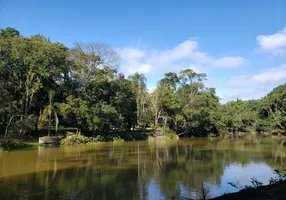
138	170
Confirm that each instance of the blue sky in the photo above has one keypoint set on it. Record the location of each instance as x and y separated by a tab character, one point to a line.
241	44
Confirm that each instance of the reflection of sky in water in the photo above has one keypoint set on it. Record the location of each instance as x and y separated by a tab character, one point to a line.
235	172
242	174
154	191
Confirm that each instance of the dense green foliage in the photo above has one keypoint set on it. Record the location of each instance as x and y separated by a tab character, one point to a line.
45	85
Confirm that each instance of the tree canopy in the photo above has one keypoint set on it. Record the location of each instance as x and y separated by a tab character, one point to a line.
45	84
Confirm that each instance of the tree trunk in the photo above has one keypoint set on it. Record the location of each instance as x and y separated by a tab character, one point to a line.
156	126
27	101
78	132
275	118
21	129
7	127
138	114
165	121
26	106
49	131
177	127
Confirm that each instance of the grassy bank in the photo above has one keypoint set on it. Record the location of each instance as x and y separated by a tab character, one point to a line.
10	144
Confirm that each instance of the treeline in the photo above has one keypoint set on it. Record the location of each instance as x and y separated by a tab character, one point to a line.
45	85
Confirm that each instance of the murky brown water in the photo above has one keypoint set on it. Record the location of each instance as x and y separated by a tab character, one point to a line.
138	170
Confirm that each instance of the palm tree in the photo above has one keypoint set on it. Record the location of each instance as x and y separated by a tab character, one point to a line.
46	114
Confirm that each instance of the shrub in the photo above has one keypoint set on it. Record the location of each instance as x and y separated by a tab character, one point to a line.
117	139
212	136
75	139
168	134
171	135
80	139
150	138
69	133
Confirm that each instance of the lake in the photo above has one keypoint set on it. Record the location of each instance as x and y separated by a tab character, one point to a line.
139	170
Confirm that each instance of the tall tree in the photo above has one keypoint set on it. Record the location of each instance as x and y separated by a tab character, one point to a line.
156	108
139	88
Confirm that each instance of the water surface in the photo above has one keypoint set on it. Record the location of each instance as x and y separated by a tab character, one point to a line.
138	170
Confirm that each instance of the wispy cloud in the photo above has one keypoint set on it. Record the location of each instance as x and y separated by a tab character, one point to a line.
271	76
246	94
276	75
131	54
256	85
230	62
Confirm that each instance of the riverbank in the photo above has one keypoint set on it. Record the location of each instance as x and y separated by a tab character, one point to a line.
70	138
7	144
74	139
274	191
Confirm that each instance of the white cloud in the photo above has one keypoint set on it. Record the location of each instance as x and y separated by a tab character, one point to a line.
230	62
274	44
182	56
